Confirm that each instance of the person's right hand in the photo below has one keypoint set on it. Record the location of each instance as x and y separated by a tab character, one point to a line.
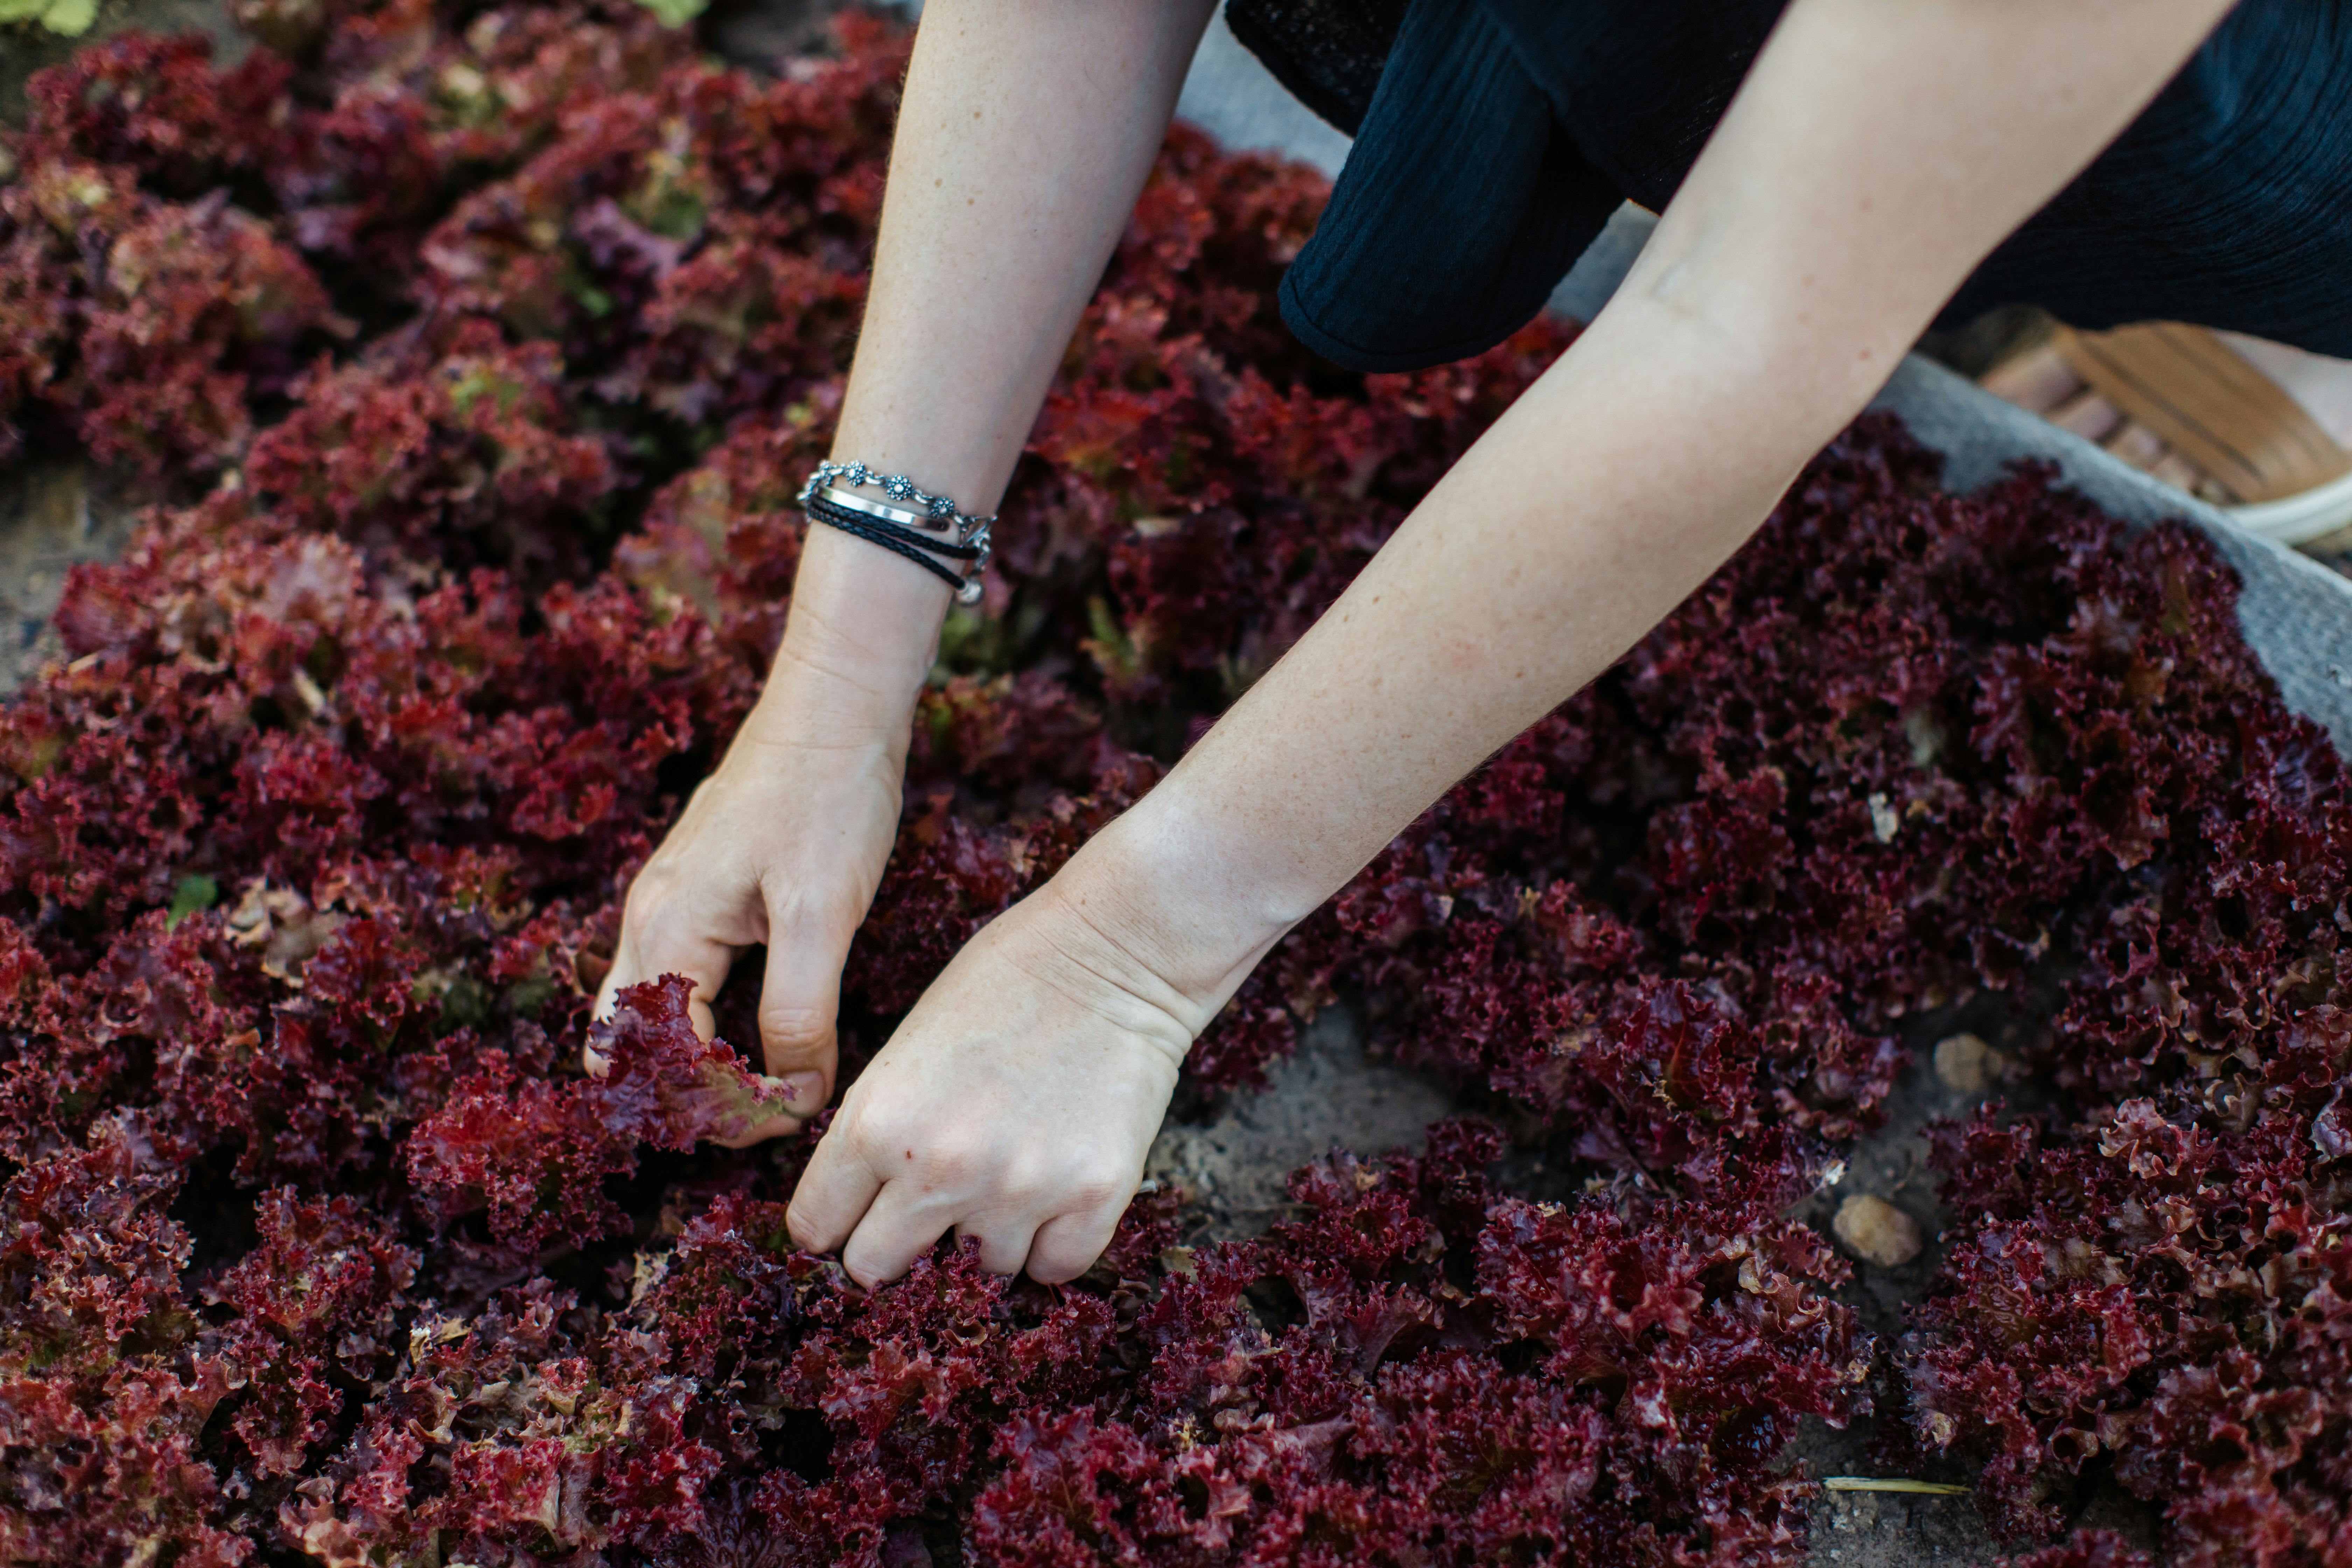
784	845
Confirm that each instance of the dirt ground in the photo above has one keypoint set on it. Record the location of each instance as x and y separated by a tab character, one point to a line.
53	513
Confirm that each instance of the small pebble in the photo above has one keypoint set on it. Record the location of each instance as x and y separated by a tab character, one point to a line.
1966	1065
1876	1231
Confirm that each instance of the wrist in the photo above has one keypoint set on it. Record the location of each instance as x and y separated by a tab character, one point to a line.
861	638
1177	881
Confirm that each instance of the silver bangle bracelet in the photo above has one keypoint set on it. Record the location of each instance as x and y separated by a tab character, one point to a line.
897	514
828	486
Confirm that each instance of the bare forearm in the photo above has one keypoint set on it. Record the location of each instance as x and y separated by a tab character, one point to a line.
1800	259
1028	129
1574	525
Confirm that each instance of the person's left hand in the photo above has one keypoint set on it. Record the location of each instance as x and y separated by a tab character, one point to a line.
1014	1104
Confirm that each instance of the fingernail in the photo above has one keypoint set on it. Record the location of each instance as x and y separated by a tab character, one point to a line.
804	1091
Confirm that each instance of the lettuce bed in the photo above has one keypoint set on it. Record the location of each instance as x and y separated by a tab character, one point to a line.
481	351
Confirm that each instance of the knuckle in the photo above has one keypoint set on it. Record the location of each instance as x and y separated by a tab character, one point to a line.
862	1138
794	1022
648	897
1028	1185
1021	1194
1088	1193
822	912
1056	1268
806	1234
892	1148
1096	1179
954	1166
1055	1188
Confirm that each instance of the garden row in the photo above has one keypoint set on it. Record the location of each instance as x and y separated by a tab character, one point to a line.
479	353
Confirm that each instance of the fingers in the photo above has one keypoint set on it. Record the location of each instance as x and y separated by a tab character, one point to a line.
1004	1246
1013	1111
1065	1247
898	1228
880	1220
879	1226
833	1195
800	997
773	1126
667	948
674	949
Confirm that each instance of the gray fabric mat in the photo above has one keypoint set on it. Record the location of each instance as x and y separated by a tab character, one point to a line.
2295	614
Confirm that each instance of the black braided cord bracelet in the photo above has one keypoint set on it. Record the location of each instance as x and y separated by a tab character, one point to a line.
924	538
897	539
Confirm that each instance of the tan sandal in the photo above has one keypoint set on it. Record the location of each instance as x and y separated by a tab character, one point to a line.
2179	402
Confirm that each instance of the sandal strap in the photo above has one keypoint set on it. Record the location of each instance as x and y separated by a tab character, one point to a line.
2210	405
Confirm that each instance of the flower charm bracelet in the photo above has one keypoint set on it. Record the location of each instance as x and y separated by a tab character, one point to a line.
952	545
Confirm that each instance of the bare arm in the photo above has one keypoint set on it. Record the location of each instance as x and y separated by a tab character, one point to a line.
1027	132
1028	129
1878	152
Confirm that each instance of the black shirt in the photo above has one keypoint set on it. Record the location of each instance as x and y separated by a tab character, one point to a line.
1494	137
